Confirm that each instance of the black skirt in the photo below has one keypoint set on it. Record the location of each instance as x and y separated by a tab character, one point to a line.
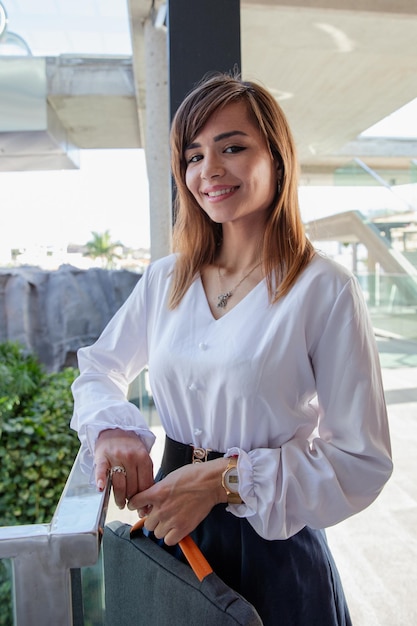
290	582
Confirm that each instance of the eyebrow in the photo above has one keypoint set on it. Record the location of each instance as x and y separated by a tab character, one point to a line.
220	137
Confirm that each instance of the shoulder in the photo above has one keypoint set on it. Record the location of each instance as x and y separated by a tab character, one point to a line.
323	282
163	265
155	280
160	269
324	270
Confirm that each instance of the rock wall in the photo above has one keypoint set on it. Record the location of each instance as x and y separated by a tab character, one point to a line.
54	313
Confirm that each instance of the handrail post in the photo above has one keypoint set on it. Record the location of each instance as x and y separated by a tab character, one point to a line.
42	587
43	554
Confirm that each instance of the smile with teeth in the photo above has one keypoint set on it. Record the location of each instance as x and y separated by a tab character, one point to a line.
220	192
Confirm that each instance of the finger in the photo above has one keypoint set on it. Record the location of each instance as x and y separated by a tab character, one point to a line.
145	511
101	470
151	524
145	477
140	501
119	489
132	483
158	531
173	537
140	478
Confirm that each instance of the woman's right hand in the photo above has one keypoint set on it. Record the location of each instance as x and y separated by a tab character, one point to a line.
123	448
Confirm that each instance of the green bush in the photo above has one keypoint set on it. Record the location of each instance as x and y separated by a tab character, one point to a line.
37	447
20	375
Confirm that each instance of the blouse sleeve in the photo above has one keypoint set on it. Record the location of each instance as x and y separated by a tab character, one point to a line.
106	370
342	469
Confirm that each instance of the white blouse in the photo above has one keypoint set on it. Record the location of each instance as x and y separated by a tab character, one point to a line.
294	388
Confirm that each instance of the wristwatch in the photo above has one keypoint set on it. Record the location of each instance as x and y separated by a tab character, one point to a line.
230	481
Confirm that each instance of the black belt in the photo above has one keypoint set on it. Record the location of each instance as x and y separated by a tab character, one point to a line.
177	454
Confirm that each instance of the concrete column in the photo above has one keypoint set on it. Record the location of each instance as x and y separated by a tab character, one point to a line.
157	139
149	49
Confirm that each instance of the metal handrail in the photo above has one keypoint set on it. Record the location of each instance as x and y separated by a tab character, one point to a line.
43	554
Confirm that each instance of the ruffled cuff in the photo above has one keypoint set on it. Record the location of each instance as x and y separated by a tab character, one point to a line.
91	433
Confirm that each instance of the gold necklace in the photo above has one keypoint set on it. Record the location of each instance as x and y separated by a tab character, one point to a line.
223	298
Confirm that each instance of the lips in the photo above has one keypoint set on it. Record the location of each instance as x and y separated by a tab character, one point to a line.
216	193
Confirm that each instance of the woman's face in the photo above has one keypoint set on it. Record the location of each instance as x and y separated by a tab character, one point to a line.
230	171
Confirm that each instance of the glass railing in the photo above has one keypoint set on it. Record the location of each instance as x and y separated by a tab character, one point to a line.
6	592
392	303
56	567
53	573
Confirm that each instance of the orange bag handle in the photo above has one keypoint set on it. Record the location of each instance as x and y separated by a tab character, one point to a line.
198	562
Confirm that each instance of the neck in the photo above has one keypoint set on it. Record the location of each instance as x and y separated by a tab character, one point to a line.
239	256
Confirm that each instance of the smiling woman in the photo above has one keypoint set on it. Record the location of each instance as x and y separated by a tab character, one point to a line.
263	368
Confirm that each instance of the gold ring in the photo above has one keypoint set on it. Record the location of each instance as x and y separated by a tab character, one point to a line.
118	469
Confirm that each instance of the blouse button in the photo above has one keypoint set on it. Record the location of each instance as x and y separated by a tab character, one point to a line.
198	432
202	346
193	387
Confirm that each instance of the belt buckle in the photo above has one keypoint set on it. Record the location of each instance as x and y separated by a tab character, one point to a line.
200	454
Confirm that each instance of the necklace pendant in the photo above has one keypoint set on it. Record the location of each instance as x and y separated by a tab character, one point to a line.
223	299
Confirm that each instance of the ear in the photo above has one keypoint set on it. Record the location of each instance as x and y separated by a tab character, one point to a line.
280	175
279	166
280	172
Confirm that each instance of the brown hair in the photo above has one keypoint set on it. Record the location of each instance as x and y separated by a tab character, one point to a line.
286	249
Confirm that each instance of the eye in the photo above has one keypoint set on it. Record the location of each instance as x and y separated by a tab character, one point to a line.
194	158
234	149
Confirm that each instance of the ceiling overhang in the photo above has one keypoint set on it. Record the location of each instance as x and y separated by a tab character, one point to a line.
335	67
52	107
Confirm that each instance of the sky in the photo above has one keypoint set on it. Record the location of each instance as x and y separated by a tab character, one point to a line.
110	190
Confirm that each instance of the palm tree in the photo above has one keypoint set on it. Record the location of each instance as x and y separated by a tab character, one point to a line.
102	247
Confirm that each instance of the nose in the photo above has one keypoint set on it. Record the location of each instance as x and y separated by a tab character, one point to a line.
212	167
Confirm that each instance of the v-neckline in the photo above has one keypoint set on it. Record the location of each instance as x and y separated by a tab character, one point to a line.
235	306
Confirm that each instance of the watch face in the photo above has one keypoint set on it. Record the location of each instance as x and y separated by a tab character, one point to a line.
232	480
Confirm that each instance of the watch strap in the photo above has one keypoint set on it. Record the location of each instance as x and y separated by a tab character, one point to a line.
232	497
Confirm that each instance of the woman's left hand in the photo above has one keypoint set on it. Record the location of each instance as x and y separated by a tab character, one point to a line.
179	502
